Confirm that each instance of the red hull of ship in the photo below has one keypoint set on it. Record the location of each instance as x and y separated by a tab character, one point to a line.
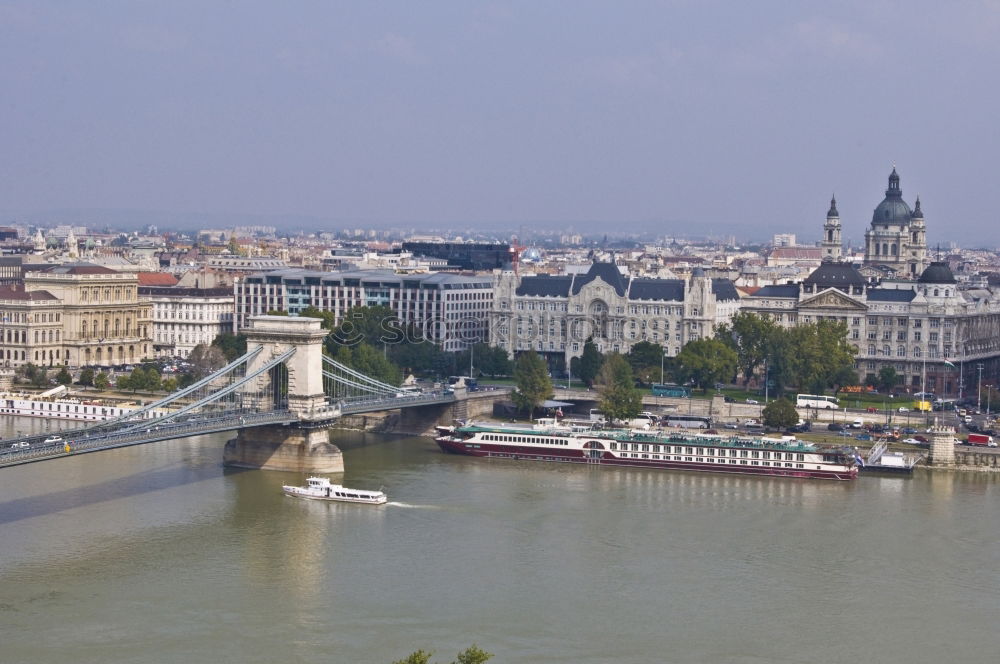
606	459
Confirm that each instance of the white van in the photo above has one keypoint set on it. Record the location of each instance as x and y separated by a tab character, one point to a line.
858	424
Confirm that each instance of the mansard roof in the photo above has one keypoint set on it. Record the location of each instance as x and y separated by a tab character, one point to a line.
779	290
545	285
608	272
890	295
835	275
724	290
657	289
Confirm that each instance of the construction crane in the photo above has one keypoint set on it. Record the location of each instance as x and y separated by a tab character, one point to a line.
515	252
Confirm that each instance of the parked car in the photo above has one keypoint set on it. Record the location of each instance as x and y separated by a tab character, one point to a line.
728	399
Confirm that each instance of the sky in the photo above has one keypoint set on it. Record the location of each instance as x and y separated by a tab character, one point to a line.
683	118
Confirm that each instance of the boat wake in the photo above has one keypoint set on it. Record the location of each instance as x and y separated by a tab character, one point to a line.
412	506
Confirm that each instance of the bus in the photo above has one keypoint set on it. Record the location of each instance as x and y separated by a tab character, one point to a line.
688	421
944	404
816	401
670	390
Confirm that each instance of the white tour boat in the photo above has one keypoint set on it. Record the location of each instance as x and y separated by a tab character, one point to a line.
320	488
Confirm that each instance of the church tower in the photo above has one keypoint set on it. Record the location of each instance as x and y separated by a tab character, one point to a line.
831	244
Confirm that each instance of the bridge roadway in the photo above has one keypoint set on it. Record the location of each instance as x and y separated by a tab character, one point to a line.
15	452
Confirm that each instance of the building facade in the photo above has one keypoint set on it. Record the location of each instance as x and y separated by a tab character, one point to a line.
103	320
186	317
919	328
555	315
31	327
452	310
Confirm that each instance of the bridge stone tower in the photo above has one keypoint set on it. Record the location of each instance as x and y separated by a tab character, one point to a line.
298	446
942	445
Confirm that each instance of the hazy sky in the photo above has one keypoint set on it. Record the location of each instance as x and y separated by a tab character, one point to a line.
690	117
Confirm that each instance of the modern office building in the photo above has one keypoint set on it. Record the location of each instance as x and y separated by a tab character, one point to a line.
451	309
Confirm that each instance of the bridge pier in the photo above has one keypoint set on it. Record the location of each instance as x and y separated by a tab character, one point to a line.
301	447
288	448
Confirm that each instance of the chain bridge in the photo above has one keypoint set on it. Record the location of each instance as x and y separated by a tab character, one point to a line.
280	398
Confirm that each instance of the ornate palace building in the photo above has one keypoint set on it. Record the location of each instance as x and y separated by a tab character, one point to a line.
77	314
913	327
554	315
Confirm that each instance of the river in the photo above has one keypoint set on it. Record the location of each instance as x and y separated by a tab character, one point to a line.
157	553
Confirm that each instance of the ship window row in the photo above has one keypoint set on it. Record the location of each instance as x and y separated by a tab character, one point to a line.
676	449
503	438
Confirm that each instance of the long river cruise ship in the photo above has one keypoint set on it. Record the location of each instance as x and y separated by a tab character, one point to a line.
548	440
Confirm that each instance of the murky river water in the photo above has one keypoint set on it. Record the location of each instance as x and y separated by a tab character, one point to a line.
158	554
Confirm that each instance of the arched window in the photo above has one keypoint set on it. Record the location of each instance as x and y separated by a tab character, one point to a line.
895	251
876	248
916	351
886	351
936	292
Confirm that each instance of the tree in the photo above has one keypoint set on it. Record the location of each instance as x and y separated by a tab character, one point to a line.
590	362
471	655
887	379
64	377
206	359
101	381
818	353
751	336
231	345
494	360
276	312
169	385
376	325
619	398
372	363
646	359
328	317
705	362
533	383
780	414
86	376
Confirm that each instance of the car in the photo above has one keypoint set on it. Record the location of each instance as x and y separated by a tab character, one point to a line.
53	439
732	425
835	426
19	445
903	409
728	399
751	423
909	431
922	439
845	433
753	401
911	441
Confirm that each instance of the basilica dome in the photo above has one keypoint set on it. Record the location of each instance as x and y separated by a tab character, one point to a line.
893	209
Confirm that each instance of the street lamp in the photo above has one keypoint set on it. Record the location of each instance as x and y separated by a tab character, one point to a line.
979	393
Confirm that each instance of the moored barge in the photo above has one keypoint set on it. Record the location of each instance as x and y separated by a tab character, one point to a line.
549	441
